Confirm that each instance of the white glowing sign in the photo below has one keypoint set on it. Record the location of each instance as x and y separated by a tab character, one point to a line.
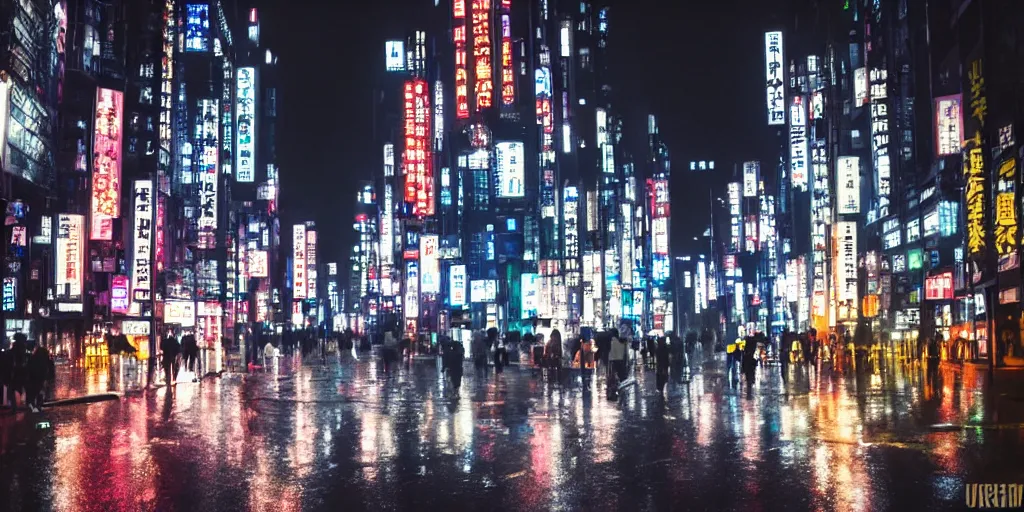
387	247
735	227
775	83
142	283
848	185
180	312
208	157
394	56
70	257
751	175
311	264
847	241
530	286
457	286
430	269
245	125
299	261
511	168
949	127
412	290
860	87
798	144
880	138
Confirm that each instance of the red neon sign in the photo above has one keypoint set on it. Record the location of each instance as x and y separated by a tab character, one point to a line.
106	168
482	53
461	74
416	159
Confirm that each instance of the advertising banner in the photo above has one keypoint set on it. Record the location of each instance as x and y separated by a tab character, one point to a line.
511	169
412	290
245	125
430	269
142	266
848	185
106	170
70	253
847	241
299	261
775	82
457	286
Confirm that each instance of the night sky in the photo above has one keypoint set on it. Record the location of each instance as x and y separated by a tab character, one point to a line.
698	66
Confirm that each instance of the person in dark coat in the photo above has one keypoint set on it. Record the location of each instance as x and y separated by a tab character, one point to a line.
170	349
661	361
496	345
190	351
455	354
19	368
39	372
6	373
749	360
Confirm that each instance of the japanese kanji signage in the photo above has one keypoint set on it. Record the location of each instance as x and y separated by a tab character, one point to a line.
775	78
949	128
70	257
848	185
1005	230
508	77
106	166
142	255
974	161
417	160
461	72
798	145
846	239
482	53
299	261
880	137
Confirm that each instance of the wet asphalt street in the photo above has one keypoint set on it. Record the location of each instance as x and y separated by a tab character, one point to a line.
346	438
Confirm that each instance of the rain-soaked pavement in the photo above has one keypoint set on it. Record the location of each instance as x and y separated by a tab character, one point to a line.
345	438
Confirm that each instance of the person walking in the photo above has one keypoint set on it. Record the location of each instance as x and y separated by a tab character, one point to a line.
586	360
617	370
170	348
6	375
553	354
749	362
40	370
661	364
389	352
479	349
498	348
455	354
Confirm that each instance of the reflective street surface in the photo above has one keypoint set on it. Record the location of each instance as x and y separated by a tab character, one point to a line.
344	437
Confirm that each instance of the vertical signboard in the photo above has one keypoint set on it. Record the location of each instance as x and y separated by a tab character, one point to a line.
511	169
430	269
530	286
311	270
1005	237
461	71
508	77
798	144
735	222
245	125
417	160
974	162
457	286
860	87
299	261
880	137
751	175
847	241
848	185
142	248
106	170
775	83
119	295
411	301
208	155
949	127
570	205
484	86
70	255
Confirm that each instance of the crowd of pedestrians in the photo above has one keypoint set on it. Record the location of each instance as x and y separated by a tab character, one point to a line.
26	374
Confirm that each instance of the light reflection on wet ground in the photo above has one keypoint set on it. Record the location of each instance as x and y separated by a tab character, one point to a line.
311	438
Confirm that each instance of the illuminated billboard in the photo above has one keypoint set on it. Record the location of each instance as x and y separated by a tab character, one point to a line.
208	155
798	144
70	254
311	264
387	243
860	87
530	295
258	263
142	256
974	168
880	137
751	175
658	190
484	85
848	185
570	206
417	159
846	239
412	290
939	286
430	269
457	286
197	28
106	170
483	290
949	127
461	70
245	125
511	169
775	83
1005	237
118	295
394	55
299	261
508	77
735	222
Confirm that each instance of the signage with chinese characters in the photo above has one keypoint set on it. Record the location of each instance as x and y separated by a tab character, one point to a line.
848	185
751	176
106	170
484	87
311	269
570	204
417	159
180	312
880	137
299	261
860	87
775	83
142	250
119	302
70	254
949	128
976	185
10	290
798	144
245	125
847	241
939	286
508	77
1005	234
511	168
430	268
208	154
735	222
457	286
461	71
257	263
411	301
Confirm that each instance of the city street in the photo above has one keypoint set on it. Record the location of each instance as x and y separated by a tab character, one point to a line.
313	438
